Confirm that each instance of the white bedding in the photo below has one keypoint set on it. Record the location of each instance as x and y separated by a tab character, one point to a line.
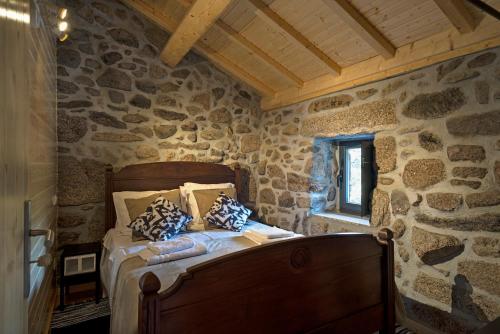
119	247
121	269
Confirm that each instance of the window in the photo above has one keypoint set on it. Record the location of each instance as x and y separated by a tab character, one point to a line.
357	175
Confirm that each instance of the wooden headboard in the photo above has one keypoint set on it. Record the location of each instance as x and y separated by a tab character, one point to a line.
163	176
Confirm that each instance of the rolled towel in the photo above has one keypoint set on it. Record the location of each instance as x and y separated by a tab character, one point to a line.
170	246
152	259
262	241
270	232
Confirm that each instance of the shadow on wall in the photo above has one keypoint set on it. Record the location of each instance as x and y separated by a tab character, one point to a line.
463	302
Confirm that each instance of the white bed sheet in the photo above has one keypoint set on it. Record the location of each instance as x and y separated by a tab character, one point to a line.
118	247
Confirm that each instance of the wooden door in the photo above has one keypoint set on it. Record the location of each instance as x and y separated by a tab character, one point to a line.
14	108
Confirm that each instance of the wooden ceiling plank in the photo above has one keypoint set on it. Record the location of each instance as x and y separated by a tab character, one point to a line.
239	39
169	24
458	14
361	26
267	14
196	22
227	65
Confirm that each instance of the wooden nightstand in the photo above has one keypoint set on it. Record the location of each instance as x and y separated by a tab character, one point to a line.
80	264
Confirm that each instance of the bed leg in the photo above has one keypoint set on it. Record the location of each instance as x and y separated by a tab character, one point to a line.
149	304
385	238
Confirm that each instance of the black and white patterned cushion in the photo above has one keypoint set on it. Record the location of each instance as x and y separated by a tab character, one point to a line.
227	213
161	221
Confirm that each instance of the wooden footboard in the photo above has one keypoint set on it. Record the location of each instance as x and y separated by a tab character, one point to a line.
322	284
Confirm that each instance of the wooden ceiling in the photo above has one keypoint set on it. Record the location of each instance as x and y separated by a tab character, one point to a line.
294	50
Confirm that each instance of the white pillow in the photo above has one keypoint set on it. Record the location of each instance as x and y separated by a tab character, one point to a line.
183	194
122	216
197	223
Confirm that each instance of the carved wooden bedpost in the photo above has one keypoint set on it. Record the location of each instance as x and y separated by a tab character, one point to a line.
149	304
384	237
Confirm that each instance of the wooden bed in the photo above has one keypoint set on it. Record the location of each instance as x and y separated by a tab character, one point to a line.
340	283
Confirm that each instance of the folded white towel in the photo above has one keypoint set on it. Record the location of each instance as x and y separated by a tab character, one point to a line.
152	259
170	246
261	241
270	232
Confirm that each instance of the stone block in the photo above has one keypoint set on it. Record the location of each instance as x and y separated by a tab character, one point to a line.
430	141
398	228
435	105
483	275
267	196
483	199
286	200
444	201
330	102
485	246
146	152
380	215
80	182
474	153
399	202
433	248
434	288
249	143
482	124
298	183
489	222
367	117
466	172
422	173
386	154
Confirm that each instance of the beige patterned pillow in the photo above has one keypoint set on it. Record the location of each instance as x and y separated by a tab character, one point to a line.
205	198
137	206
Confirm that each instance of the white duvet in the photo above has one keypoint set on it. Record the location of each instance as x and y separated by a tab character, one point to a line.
121	269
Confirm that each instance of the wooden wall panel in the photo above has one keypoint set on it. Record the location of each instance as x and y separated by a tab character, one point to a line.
42	164
28	157
14	89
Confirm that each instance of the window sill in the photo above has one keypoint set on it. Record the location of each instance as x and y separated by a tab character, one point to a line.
345	218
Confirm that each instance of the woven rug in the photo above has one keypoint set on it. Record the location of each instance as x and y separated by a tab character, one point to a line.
402	330
82	318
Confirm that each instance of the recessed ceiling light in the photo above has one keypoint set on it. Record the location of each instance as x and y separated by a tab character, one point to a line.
63	26
63	12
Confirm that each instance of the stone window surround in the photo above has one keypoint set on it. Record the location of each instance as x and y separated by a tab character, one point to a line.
334	214
345	218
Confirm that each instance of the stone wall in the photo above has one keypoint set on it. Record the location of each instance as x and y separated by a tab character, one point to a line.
437	147
437	143
119	104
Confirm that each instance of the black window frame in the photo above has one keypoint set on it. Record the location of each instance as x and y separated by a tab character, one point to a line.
368	175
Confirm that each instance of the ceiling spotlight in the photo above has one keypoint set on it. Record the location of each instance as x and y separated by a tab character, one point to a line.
63	37
63	26
63	12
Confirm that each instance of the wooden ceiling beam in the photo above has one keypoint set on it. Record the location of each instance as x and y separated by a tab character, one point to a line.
242	41
458	14
198	19
267	14
362	27
169	24
436	48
